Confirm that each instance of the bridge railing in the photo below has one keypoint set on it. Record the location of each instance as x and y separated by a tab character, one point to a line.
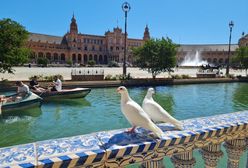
118	149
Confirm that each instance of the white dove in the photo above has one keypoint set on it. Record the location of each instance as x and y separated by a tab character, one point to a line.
156	112
135	114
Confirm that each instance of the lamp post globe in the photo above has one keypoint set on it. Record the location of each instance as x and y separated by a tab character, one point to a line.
231	24
126	8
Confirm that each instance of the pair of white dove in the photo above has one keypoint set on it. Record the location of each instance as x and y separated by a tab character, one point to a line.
145	115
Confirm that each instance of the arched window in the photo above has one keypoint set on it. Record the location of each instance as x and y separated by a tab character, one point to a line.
62	57
90	58
55	57
215	60
74	58
100	59
221	60
40	54
48	56
105	59
85	58
209	60
79	58
95	58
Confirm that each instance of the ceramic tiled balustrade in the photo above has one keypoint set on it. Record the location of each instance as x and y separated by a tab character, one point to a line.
117	148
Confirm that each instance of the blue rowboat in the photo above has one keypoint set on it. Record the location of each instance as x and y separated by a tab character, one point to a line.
64	94
30	101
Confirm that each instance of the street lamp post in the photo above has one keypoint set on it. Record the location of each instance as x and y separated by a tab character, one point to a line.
126	8
231	24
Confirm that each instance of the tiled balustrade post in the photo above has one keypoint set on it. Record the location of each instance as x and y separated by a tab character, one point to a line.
247	152
184	160
211	154
155	163
234	149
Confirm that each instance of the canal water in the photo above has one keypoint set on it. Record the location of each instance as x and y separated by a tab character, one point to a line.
100	110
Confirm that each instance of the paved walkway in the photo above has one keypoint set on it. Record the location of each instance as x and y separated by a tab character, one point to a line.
23	73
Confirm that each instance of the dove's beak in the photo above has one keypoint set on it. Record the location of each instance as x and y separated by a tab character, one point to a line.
118	90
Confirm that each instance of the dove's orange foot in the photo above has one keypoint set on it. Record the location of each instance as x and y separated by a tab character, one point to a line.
131	130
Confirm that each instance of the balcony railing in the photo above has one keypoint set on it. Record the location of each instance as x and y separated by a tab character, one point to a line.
118	149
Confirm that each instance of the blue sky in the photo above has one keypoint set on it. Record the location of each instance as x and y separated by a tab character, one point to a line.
184	21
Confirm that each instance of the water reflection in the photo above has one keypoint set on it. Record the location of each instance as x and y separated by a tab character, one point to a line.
69	102
32	112
240	97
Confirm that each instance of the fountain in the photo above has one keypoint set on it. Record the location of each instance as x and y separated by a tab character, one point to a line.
193	60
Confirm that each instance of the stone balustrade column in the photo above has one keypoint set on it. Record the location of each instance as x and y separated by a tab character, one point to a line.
211	155
184	160
247	152
156	163
234	149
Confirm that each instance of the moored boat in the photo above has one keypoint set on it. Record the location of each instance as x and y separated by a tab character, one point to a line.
65	93
30	101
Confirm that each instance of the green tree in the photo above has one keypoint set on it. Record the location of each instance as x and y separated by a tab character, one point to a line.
241	58
91	63
42	62
12	45
156	56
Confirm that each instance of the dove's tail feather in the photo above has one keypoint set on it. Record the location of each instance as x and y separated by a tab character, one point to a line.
179	125
157	131
175	122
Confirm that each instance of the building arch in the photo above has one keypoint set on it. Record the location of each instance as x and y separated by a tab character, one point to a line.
221	60
40	54
95	59
85	59
62	58
105	60
79	58
55	57
74	59
100	59
209	60
215	60
48	56
90	57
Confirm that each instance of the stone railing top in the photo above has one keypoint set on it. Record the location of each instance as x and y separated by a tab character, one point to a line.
117	148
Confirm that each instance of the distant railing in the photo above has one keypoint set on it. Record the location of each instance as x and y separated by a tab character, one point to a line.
87	74
117	148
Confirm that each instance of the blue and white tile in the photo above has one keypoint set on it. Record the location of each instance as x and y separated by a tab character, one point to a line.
124	148
72	151
18	156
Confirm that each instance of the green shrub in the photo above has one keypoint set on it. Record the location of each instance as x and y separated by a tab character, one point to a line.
108	77
47	78
123	77
176	77
91	63
185	76
113	64
42	61
69	62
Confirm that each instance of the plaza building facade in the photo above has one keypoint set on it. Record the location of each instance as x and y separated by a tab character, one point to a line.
80	48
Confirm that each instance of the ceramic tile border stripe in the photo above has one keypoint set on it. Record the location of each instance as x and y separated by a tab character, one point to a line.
102	156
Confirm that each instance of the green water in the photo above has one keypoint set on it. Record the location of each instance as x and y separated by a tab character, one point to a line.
100	110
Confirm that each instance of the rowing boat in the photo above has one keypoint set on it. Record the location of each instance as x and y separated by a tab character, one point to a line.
64	94
30	101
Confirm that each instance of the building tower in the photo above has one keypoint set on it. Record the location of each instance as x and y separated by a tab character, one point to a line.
146	34
73	26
